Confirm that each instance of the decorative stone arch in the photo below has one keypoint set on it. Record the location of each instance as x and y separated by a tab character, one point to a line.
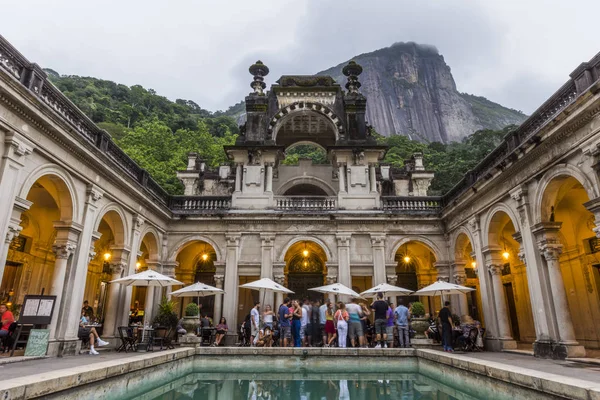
298	239
309	180
154	248
487	219
120	225
194	238
298	107
456	234
541	211
69	200
435	249
306	143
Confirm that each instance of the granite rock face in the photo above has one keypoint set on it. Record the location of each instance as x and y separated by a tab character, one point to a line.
411	91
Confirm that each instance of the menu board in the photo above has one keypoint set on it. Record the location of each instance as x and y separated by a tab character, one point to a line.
37	310
37	344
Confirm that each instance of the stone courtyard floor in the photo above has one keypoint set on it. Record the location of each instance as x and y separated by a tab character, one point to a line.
12	370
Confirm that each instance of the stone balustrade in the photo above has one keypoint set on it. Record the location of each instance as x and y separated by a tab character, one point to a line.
306	203
429	204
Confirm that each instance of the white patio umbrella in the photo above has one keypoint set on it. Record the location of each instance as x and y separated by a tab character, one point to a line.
197	290
336	288
266	284
442	288
387	290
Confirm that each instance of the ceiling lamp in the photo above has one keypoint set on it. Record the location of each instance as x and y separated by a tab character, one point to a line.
406	259
107	256
138	265
505	254
205	256
305	252
474	264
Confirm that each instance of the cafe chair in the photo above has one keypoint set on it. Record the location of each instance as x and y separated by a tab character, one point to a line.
128	341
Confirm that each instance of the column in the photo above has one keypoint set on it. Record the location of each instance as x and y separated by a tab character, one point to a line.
266	268
63	250
459	277
68	323
392	280
230	308
152	294
280	279
13	229
218	299
238	177
269	185
378	249
117	266
126	291
330	280
372	178
495	271
343	244
342	177
15	154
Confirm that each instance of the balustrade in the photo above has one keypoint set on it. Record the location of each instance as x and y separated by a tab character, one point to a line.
305	203
431	204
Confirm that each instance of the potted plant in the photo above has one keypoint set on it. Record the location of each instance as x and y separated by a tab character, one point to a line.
418	321
167	316
190	319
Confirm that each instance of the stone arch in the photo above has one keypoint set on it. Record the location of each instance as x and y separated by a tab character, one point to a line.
299	107
115	216
153	245
306	143
194	238
419	239
456	234
499	207
297	239
310	180
541	211
68	201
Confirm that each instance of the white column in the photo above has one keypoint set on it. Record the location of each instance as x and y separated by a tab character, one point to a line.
152	295
330	280
238	177
372	178
230	308
15	154
342	177
344	273
63	250
68	323
218	312
269	185
378	250
280	279
500	301
125	292
266	268
112	304
392	280
460	278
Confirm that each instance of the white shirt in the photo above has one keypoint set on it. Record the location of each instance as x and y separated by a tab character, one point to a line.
255	316
322	314
304	320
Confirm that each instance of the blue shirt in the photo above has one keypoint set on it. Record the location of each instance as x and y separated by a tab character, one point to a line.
401	313
283	321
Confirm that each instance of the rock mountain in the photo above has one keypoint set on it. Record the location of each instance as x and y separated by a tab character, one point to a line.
411	91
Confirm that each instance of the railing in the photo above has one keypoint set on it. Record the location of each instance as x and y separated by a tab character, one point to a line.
305	203
429	204
199	204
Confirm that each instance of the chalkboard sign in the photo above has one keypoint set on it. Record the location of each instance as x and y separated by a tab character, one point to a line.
37	310
37	344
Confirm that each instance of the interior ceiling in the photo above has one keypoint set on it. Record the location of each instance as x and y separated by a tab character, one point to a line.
306	126
312	247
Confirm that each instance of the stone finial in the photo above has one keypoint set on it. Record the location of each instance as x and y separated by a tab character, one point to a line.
352	71
259	71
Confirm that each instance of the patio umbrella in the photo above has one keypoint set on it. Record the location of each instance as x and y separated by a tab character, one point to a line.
197	290
266	284
336	288
441	288
386	289
147	278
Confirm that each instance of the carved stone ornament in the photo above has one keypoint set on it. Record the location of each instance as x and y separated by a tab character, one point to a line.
95	193
219	280
13	232
20	149
495	269
280	279
233	240
343	240
117	268
139	221
460	279
258	71
331	280
91	254
392	279
64	251
551	251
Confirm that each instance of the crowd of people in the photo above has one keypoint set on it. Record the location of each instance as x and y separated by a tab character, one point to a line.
312	324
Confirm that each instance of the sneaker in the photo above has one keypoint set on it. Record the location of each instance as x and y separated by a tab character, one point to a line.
378	346
102	343
385	345
93	352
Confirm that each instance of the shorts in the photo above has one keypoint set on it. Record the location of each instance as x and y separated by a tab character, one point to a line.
330	327
380	326
303	331
389	330
308	329
286	332
355	329
84	333
254	331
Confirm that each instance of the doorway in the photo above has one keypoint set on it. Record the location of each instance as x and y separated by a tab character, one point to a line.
512	310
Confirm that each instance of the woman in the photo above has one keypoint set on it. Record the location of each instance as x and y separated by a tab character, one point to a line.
329	325
222	329
341	318
265	337
296	323
90	333
268	317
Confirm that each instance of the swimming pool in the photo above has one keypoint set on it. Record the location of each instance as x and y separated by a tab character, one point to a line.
260	377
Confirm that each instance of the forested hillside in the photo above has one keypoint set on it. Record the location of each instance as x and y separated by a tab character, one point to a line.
158	133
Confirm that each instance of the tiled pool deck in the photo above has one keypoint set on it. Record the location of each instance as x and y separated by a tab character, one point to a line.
32	378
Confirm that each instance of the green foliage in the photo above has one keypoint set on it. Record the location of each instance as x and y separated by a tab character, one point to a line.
315	153
166	314
192	310
418	309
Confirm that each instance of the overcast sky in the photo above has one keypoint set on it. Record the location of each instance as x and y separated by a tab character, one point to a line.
514	52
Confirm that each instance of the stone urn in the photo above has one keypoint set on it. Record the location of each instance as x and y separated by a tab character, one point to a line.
190	323
420	325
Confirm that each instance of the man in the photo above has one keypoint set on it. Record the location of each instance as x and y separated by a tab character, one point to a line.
304	323
402	316
7	319
254	321
445	319
355	328
314	323
87	310
323	320
380	307
285	327
205	321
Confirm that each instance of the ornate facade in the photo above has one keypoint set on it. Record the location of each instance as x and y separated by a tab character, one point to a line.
522	227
